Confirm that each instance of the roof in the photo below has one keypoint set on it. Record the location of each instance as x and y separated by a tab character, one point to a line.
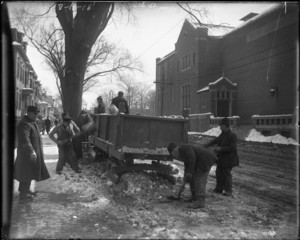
203	89
166	57
261	15
215	83
220	79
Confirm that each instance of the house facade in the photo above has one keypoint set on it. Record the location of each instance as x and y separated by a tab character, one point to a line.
252	70
29	90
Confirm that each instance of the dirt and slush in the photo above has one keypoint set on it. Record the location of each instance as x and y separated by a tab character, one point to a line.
91	206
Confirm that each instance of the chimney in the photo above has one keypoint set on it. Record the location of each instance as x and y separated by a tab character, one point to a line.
25	46
20	37
14	34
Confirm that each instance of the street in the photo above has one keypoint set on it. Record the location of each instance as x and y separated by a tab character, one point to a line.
89	205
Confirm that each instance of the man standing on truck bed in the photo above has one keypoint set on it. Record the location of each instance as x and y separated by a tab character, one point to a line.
120	99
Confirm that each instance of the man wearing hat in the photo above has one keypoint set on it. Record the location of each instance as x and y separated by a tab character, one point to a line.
227	157
197	164
120	100
65	132
30	164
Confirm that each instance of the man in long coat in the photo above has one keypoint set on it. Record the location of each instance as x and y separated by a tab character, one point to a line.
197	164
227	157
30	164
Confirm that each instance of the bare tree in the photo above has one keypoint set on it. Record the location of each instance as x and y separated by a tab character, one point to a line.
129	85
200	15
150	100
81	30
73	52
141	98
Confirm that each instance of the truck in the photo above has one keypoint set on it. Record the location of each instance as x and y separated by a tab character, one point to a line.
124	138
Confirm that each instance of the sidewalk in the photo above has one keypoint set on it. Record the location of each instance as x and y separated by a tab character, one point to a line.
50	156
67	206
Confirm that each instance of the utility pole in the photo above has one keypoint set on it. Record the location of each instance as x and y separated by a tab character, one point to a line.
162	94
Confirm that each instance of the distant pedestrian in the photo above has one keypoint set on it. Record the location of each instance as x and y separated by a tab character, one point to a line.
197	164
30	164
48	125
121	100
65	132
227	157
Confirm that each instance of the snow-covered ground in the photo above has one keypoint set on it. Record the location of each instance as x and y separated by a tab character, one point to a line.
254	136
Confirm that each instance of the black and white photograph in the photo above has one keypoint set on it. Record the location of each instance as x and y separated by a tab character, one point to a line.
150	120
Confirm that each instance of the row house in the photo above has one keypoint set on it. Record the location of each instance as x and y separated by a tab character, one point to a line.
28	88
251	70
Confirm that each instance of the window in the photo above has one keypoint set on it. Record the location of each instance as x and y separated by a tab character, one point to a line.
17	99
186	61
223	94
20	101
186	96
17	68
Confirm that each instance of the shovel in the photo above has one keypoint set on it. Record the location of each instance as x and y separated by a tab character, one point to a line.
174	198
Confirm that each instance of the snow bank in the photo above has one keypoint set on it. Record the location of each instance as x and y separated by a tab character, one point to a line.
213	132
256	136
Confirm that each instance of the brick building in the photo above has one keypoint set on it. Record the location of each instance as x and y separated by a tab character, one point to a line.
252	70
29	90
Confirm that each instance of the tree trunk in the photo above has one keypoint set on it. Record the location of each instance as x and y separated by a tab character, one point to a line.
81	32
76	60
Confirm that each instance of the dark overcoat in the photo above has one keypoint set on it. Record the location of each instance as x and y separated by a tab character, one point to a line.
195	157
117	100
227	157
29	140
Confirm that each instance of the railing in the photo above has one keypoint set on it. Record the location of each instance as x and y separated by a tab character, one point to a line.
274	124
215	121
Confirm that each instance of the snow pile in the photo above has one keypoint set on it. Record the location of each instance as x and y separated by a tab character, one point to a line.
256	136
88	184
141	188
213	132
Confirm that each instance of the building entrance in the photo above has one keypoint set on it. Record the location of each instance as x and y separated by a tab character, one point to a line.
222	108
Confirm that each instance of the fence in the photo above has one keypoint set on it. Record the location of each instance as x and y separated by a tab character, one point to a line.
205	121
215	121
274	124
199	122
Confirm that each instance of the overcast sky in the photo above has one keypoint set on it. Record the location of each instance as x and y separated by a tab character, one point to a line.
154	35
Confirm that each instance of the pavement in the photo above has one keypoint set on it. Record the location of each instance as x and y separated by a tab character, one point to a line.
67	206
